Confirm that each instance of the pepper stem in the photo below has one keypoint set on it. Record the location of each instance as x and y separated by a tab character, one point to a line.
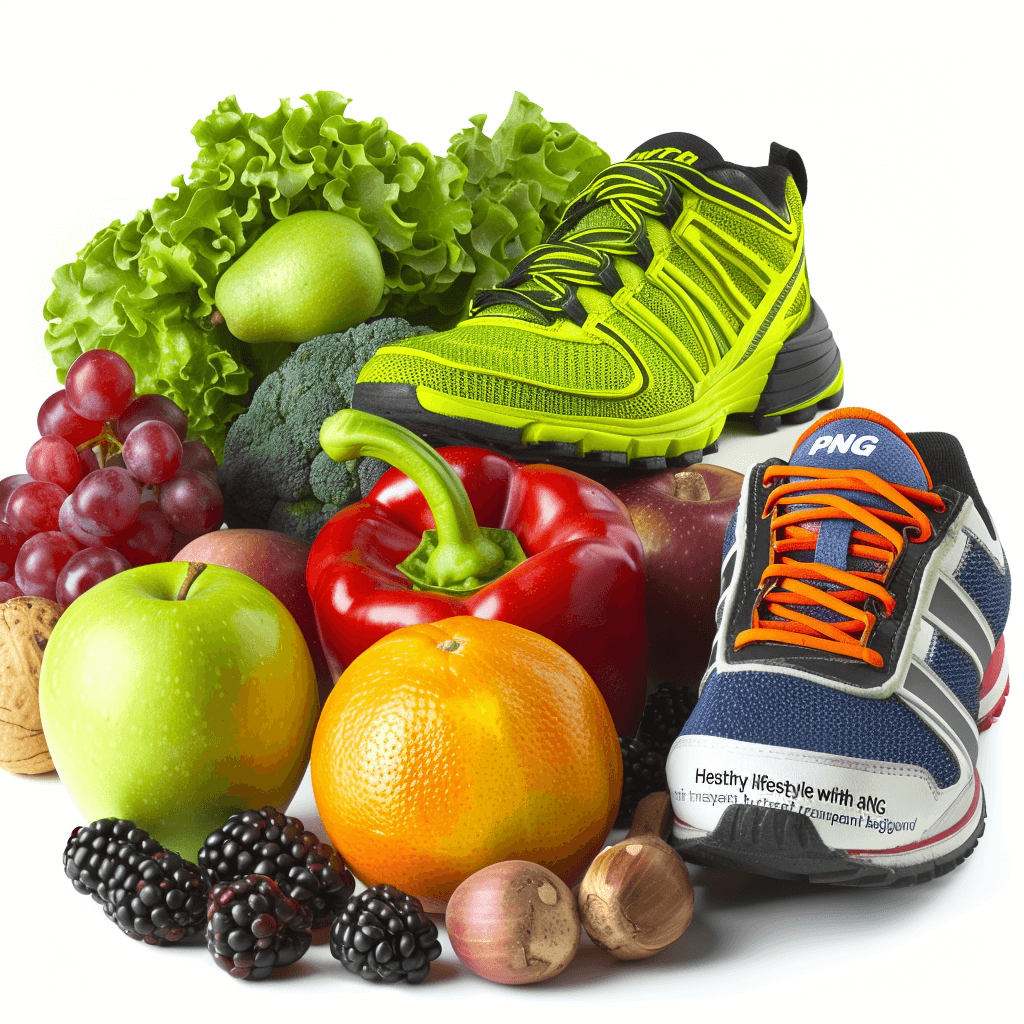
459	555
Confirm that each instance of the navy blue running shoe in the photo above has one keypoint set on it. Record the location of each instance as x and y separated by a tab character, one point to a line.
859	653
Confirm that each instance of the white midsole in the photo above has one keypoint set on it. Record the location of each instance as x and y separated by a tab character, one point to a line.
880	812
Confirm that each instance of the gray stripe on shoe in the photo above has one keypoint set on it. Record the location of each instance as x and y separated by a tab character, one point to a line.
954	615
949	709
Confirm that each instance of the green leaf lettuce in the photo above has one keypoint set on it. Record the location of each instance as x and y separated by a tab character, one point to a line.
446	227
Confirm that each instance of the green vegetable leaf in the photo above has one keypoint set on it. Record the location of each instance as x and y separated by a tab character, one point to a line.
446	227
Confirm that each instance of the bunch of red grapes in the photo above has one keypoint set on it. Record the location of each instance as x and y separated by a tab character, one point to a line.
111	483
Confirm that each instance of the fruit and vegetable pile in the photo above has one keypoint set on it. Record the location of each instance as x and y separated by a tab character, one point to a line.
480	630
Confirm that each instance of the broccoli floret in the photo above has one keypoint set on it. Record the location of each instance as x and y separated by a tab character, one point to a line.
275	475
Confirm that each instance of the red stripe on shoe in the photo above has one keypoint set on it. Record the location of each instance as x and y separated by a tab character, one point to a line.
945	834
995	666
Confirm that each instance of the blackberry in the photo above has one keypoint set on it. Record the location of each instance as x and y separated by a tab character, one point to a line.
158	898
253	927
91	853
266	842
383	935
643	772
665	714
150	893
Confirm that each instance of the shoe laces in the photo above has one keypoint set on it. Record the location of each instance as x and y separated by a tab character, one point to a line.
792	586
545	280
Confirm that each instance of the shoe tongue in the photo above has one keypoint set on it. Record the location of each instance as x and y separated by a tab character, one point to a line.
848	439
680	147
856	439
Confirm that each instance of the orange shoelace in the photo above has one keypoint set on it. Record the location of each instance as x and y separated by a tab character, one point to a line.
787	583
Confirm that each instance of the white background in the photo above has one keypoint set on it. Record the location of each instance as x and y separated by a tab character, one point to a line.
908	119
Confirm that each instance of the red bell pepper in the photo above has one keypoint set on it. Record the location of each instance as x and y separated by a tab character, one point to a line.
556	554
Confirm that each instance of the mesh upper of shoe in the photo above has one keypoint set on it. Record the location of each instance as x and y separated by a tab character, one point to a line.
489	351
781	710
988	587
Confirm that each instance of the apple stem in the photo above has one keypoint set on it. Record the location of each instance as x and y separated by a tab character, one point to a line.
688	485
194	569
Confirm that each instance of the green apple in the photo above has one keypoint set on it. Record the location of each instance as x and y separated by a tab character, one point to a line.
175	695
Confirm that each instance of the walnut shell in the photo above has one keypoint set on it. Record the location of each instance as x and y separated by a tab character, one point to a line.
25	627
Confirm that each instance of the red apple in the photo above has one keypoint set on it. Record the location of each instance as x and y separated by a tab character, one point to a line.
275	561
680	517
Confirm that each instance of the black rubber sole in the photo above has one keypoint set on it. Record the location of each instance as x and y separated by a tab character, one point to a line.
804	367
785	844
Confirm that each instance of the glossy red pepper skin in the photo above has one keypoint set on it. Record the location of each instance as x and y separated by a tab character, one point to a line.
582	584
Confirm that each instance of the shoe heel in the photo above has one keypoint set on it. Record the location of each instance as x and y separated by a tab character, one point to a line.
995	687
807	375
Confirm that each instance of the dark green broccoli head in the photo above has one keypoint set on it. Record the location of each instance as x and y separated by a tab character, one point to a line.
275	475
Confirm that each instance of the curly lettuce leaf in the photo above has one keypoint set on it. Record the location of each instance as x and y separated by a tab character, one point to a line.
446	226
518	183
103	301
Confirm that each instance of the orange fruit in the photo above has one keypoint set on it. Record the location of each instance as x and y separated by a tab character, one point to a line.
447	747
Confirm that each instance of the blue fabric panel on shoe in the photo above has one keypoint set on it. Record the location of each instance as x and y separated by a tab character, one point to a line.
956	670
833	542
861	444
988	587
730	536
785	711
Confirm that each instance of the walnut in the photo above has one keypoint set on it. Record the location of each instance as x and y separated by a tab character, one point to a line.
25	627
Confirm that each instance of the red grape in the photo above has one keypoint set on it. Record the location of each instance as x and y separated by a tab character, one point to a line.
99	384
8	589
8	486
88	461
116	461
197	455
150	539
85	569
151	407
53	460
57	417
68	523
192	502
20	536
152	452
10	542
40	561
34	507
106	502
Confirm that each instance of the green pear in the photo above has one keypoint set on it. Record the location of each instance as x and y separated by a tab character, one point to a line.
312	273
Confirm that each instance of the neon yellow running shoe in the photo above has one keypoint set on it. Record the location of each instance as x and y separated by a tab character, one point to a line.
672	294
